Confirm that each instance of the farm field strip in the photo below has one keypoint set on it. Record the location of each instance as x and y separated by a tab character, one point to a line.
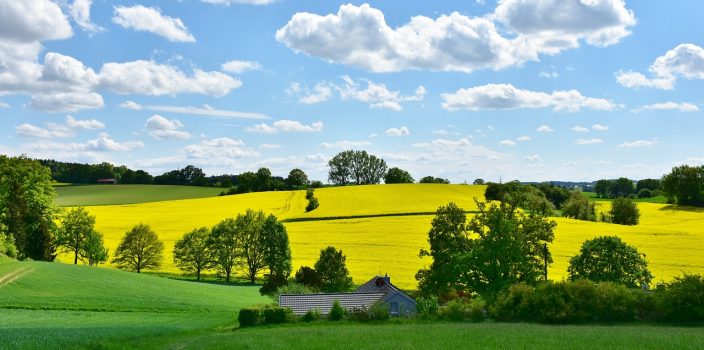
68	195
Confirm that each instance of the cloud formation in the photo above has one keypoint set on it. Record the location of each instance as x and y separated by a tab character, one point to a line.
150	19
684	61
285	126
162	128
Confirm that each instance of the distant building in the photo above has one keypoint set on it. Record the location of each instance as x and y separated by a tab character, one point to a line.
107	181
377	290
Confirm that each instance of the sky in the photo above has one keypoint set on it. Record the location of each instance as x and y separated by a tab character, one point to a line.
534	90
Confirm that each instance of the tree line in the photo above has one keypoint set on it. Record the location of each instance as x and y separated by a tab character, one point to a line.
353	167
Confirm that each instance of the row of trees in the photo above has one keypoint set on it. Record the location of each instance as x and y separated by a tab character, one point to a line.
624	187
362	168
80	173
684	185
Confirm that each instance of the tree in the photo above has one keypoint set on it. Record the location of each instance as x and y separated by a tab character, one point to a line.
296	178
192	252
277	254
358	166
190	175
578	207
648	184
398	176
609	259
622	187
249	235
500	246
333	272
602	188
140	249
26	207
433	180
225	246
247	182
478	182
94	251
307	276
75	227
684	184
624	211
340	165
263	180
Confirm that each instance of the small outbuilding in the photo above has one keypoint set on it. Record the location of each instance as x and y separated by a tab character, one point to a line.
376	290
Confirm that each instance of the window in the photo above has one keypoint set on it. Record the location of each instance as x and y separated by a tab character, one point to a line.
394	308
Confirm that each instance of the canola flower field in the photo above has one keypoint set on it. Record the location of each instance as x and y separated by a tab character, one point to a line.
672	238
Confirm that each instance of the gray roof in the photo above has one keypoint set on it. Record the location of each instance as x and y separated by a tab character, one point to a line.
377	284
302	303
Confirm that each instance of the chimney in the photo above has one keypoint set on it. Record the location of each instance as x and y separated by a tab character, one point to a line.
386	278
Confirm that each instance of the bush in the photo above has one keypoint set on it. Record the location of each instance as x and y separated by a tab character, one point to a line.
307	276
459	310
272	283
578	207
379	312
609	259
337	312
311	315
427	307
624	211
683	299
359	314
645	193
316	184
312	204
291	288
514	304
309	193
275	315
249	317
7	247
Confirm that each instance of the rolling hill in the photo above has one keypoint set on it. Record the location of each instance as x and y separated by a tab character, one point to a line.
128	194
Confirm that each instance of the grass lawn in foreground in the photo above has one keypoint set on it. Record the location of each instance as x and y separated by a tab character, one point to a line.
83	195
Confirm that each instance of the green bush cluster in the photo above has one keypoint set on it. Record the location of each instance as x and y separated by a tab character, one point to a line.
7	246
427	306
270	314
337	312
459	310
378	312
312	315
312	200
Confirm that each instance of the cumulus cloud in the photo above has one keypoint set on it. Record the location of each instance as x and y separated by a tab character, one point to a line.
506	96
269	146
599	127
206	111
240	66
80	13
103	143
523	138
320	93
668	106
402	131
33	21
507	143
285	126
66	101
579	128
131	105
588	141
85	124
219	148
162	128
150	19
359	36
684	61
544	129
56	130
638	143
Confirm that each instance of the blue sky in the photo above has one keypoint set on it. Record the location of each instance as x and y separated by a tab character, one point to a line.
516	89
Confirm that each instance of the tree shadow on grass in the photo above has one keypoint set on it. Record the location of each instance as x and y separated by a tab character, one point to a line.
673	207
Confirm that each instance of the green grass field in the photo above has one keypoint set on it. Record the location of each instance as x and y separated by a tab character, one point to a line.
84	195
657	199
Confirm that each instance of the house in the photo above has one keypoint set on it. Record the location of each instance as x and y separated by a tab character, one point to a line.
107	181
376	290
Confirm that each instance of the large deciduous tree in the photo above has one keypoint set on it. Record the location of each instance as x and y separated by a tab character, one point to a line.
296	178
249	234
685	185
331	267
140	249
75	226
26	207
398	176
226	246
94	251
277	254
579	207
609	259
192	253
357	167
624	211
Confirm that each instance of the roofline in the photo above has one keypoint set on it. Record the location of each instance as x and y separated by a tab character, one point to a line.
342	293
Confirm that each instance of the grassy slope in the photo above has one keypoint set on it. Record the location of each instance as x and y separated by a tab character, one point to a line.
127	194
50	305
656	199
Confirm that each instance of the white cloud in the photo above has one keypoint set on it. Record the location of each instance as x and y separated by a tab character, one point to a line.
104	143
507	143
377	95
80	13
240	66
402	131
506	96
523	138
4	105
150	19
345	144
150	78
162	128
285	126
269	146
668	106
54	130
321	93
544	128
203	111
551	75
29	130
219	148
638	143
588	141
685	60
599	127
86	124
533	158
579	128
359	35
246	2
131	105
33	21
66	101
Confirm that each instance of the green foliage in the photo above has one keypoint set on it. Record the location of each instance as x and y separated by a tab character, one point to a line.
683	299
26	207
478	182
7	247
648	184
377	312
398	176
249	317
139	249
276	315
277	254
76	224
645	193
249	230
296	179
578	207
316	184
225	246
357	167
622	187
624	211
459	310
93	251
192	253
291	288
188	176
609	259
312	200
308	277
685	185
337	312
427	306
312	315
333	272
433	180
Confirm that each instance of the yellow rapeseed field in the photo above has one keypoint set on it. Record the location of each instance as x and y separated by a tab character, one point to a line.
672	239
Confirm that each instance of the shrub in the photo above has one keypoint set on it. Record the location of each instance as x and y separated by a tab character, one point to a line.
645	193
609	259
683	299
514	304
359	314
7	247
316	184
311	315
249	317
291	288
275	315
379	312
307	276
312	204
578	207
272	283
337	312
309	193
427	307
624	211
459	310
